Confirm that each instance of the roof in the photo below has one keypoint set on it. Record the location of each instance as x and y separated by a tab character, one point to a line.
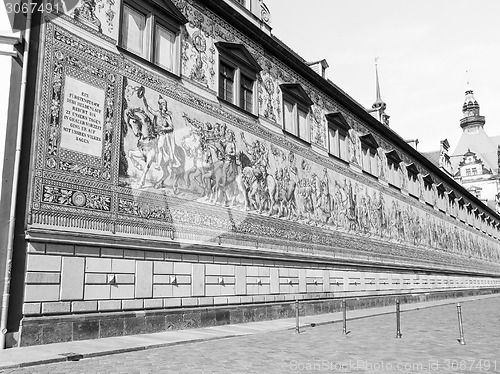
433	157
482	145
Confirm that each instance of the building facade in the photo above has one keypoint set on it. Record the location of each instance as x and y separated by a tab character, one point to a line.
476	158
182	167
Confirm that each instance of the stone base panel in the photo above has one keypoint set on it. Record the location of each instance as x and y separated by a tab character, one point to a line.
66	279
55	329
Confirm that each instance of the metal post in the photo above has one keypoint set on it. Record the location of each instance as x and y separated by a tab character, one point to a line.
398	320
344	317
297	328
460	325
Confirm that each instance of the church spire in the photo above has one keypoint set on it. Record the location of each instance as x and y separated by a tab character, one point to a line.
379	105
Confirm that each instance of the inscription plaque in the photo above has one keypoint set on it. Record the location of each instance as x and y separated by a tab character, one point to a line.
82	117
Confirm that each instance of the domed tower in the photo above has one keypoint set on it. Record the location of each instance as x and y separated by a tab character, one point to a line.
471	120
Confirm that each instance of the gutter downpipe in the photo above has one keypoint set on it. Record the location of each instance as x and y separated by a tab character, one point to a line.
15	178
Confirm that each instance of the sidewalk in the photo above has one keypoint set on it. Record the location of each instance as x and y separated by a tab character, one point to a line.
50	353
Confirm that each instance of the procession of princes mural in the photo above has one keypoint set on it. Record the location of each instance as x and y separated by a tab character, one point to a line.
213	162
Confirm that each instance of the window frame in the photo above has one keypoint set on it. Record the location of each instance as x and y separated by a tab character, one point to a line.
294	95
236	57
157	14
369	155
393	166
338	133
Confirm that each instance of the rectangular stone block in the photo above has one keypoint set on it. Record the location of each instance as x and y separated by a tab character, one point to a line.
227	270
42	277
56	307
133	254
144	279
187	257
111	252
98	265
206	259
132	304
87	251
274	280
122	291
163	267
189	301
182	291
125	278
41	292
212	290
122	266
220	260
212	269
198	280
172	302
205	301
97	292
161	279
302	280
37	248
218	300
163	290
326	281
153	303
182	268
173	256
32	308
43	263
60	249
83	306
72	278
264	271
227	290
234	299
183	279
104	305
240	280
111	327
252	271
96	278
246	299
85	330
153	255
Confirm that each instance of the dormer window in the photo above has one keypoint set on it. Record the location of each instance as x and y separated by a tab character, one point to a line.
413	184
369	154
151	30
393	161
296	106
338	129
238	76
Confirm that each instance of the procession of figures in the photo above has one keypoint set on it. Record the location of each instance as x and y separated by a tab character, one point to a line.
214	163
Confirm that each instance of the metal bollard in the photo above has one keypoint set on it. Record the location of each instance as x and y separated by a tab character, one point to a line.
344	317
460	325
398	320
297	328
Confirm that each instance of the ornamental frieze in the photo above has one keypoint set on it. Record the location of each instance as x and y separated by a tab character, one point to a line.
152	158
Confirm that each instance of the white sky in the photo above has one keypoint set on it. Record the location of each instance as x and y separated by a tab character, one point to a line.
424	49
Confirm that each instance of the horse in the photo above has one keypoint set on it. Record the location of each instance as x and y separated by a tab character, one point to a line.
147	150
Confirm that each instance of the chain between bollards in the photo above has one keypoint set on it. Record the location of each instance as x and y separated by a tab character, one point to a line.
460	325
398	320
297	328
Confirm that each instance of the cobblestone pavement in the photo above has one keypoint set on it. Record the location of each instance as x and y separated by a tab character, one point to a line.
429	345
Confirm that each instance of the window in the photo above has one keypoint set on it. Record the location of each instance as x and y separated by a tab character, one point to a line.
393	161
474	171
369	154
152	31
413	182
428	192
296	106
337	135
467	172
237	76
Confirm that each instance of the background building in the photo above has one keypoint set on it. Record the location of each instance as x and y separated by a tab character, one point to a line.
182	167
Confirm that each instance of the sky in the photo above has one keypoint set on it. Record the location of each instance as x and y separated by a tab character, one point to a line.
427	51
